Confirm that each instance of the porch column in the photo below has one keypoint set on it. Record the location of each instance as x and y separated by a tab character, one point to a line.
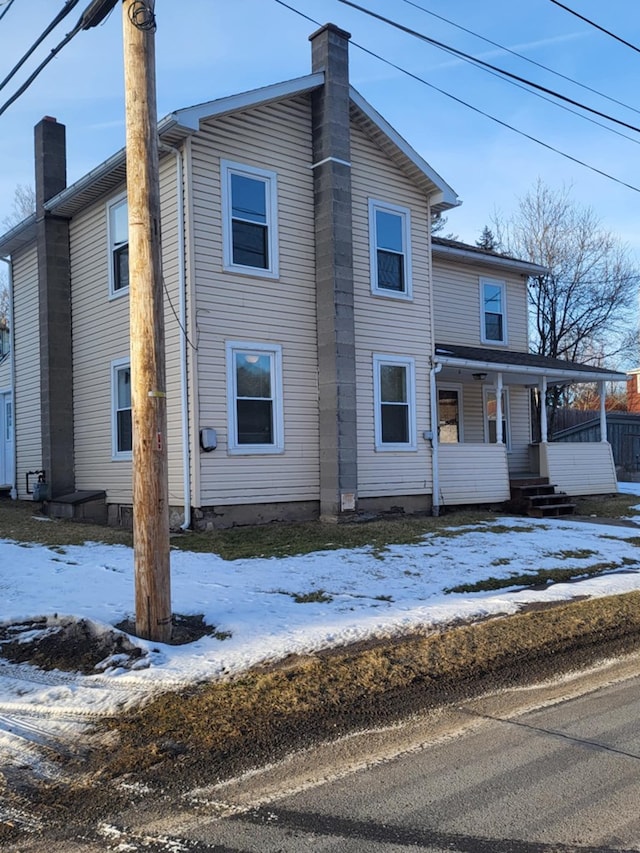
499	431
543	411
603	412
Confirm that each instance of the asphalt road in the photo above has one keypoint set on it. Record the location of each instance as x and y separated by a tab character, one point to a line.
552	769
489	776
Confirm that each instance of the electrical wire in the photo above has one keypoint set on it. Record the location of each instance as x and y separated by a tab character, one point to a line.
62	14
470	106
486	65
597	26
523	57
4	11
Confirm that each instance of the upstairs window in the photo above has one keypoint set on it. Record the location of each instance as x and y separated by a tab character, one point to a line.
494	318
389	239
254	377
249	208
118	247
122	438
394	384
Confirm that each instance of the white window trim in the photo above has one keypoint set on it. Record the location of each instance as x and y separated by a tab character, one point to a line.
453	386
270	179
379	360
495	282
506	414
275	350
123	291
405	214
116	365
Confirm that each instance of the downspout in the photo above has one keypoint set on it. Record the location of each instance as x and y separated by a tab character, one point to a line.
12	373
435	443
182	288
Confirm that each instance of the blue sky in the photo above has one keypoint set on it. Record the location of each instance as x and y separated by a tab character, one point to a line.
207	49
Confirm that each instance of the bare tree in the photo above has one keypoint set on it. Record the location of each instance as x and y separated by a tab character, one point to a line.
24	204
581	308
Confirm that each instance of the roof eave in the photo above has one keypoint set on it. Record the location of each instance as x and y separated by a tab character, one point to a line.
556	375
473	257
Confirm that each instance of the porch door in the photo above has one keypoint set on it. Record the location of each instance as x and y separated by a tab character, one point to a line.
6	439
449	415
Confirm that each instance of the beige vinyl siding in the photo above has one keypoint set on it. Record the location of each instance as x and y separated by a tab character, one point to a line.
389	326
28	428
101	335
457	306
233	306
5	374
473	473
581	468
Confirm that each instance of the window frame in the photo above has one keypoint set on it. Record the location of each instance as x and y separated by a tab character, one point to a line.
270	181
506	414
117	365
408	363
501	284
458	388
277	411
404	214
112	204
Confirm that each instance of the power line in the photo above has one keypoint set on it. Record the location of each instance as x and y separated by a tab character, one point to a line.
523	57
4	11
486	65
95	12
470	106
62	14
597	26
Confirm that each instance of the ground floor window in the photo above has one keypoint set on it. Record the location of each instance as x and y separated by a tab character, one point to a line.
121	409
255	412
449	415
394	391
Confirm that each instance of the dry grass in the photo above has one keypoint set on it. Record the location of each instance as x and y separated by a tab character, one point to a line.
325	694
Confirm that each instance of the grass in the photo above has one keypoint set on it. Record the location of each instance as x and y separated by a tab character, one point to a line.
326	693
542	577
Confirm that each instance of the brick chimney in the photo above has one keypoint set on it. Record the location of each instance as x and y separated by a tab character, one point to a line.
334	273
54	292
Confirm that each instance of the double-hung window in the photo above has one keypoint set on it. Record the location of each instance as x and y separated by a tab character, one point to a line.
390	245
118	246
122	442
394	400
494	315
255	413
250	219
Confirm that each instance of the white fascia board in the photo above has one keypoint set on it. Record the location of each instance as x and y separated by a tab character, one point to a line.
525	267
192	116
446	194
555	374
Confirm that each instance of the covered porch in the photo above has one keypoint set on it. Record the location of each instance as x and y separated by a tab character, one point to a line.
483	441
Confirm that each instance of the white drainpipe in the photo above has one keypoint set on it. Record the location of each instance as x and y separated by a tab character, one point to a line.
12	373
184	395
435	501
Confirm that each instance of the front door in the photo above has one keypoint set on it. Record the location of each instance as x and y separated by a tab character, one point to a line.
6	439
449	410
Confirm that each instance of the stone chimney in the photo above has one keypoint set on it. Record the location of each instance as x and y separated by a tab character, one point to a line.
334	273
54	292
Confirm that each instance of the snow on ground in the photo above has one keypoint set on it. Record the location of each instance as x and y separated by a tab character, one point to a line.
366	593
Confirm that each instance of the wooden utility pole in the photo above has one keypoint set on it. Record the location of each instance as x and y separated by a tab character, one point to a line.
148	395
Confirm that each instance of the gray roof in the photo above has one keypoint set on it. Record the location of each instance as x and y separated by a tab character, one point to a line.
522	363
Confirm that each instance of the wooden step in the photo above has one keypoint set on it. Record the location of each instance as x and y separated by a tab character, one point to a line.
551	510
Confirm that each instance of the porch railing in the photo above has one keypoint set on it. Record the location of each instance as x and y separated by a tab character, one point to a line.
580	468
473	473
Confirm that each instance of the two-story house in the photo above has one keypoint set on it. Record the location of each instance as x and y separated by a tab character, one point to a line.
323	354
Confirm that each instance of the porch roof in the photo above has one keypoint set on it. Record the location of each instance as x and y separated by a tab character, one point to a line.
521	367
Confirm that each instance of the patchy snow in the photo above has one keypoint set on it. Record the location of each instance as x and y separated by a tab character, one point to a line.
366	593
